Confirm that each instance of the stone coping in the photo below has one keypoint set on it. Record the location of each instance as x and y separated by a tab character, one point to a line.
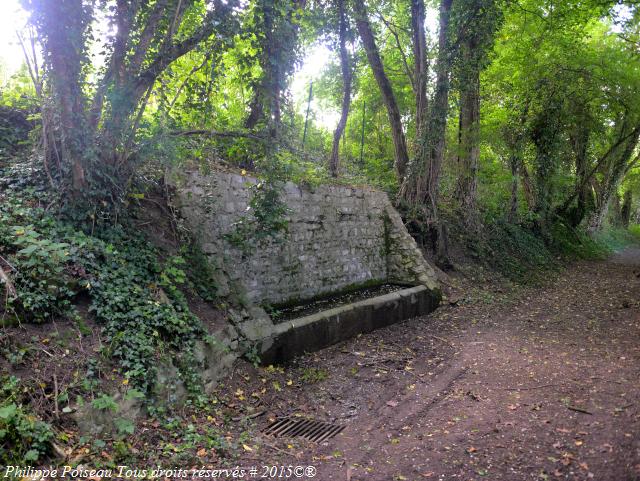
322	329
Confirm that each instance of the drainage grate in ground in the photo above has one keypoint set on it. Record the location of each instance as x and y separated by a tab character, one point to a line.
315	431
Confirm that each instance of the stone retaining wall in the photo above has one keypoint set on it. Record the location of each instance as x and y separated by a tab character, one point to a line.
338	238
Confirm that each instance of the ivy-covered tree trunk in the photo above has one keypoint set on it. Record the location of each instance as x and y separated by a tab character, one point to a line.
347	74
420	64
94	139
64	25
476	22
615	170
421	185
545	136
388	97
469	141
513	200
580	143
276	28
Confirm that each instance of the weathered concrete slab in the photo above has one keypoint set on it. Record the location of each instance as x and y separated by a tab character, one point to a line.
322	329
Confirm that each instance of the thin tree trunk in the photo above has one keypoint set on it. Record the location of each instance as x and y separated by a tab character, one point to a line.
625	211
346	91
440	110
388	97
306	118
527	186
580	142
513	204
468	141
364	109
421	64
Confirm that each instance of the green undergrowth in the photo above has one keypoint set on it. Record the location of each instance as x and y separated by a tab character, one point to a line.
135	294
523	254
616	239
23	438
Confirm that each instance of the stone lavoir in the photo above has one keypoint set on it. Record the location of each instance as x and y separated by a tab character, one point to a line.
339	239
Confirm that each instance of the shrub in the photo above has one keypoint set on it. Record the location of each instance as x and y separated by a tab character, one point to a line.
23	438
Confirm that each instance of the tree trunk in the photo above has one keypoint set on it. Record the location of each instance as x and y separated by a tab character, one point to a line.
469	139
375	62
421	64
279	39
266	91
364	110
513	204
615	171
306	117
527	186
580	143
625	211
345	64
63	23
420	188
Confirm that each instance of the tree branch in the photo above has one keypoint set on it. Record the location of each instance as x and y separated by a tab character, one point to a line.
563	208
399	47
146	37
218	17
215	133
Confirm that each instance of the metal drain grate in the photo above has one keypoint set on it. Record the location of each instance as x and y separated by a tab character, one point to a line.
315	431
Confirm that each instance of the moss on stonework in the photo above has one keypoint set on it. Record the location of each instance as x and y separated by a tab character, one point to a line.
345	290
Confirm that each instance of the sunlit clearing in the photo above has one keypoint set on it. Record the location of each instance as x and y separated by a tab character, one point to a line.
12	18
313	64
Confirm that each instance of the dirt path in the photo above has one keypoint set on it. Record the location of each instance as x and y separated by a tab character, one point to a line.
541	386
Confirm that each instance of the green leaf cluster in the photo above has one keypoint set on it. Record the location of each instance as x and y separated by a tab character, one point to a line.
23	438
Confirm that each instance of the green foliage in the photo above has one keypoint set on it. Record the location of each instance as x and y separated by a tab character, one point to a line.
143	309
313	375
575	243
517	252
23	438
124	426
266	218
104	402
43	284
201	274
15	125
521	253
136	297
44	288
616	239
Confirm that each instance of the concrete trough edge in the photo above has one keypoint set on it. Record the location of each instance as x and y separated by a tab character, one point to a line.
322	329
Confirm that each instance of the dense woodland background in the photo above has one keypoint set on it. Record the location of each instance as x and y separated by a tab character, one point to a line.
522	110
506	130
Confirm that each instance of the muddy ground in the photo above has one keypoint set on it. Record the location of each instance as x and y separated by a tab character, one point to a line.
534	383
